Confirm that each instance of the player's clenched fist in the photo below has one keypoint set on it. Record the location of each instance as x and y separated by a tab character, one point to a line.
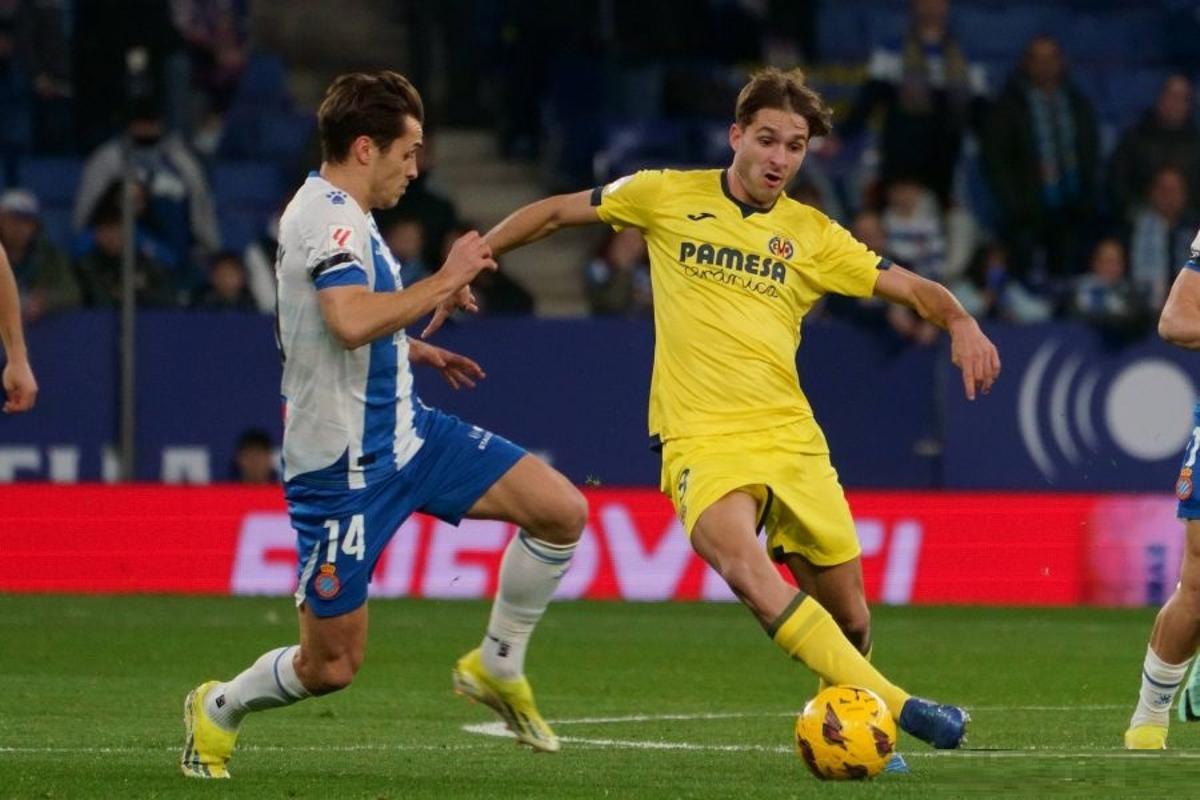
19	386
469	255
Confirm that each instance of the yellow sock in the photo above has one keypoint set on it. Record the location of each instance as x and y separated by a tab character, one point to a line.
823	684
807	633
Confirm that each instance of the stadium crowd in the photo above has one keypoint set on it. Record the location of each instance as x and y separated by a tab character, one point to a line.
1029	177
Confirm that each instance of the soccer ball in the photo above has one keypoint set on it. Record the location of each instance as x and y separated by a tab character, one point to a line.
845	733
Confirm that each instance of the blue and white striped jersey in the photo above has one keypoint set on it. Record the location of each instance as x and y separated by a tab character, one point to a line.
350	416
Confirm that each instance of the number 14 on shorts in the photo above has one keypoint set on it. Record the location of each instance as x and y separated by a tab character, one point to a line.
353	542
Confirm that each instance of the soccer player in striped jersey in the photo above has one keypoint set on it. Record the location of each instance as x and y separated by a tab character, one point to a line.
735	264
1176	632
361	452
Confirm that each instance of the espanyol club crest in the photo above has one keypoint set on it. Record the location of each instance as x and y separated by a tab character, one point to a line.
326	584
781	248
1184	486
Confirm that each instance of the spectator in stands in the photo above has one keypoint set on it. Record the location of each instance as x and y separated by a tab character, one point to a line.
254	459
1105	297
216	35
406	239
988	290
226	289
16	105
912	223
44	275
1159	235
935	243
259	260
106	33
179	209
617	279
35	80
930	93
1040	156
874	313
869	229
1165	136
99	267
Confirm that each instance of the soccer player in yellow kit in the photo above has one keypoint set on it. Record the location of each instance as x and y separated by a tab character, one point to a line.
735	266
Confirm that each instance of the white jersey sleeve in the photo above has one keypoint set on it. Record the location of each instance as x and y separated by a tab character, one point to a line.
334	237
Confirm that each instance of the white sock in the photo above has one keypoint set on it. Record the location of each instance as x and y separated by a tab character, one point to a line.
529	574
1160	681
270	682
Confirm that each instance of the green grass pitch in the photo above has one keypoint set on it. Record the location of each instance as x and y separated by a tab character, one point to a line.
653	701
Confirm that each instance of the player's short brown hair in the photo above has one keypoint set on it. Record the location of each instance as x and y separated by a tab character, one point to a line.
787	91
373	104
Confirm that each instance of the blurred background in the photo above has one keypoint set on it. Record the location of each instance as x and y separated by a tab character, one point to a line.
1041	159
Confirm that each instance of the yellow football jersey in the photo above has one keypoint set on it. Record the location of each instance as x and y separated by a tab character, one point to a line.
731	284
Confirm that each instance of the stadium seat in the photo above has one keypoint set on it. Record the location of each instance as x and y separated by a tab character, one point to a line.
643	144
1091	37
1144	33
56	224
239	229
842	33
886	23
263	84
1129	92
284	134
53	180
246	183
1000	34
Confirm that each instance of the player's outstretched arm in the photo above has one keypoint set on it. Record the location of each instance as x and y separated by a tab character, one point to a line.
527	224
1180	320
539	220
20	388
970	349
356	315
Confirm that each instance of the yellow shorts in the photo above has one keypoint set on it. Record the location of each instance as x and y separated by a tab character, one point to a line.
786	469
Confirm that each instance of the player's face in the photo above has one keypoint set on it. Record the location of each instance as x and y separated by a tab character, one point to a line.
394	167
768	152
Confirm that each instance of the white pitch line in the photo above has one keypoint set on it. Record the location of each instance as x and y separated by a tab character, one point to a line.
349	748
1064	754
1095	707
751	714
660	745
498	729
669	717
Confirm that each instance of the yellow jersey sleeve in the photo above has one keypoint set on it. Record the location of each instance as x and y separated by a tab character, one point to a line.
845	265
630	202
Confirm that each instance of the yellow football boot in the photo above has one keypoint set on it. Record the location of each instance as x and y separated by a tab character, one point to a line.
512	700
208	746
1146	737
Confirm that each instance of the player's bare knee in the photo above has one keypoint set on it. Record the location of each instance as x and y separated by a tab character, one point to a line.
575	515
566	520
323	672
334	675
1187	594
